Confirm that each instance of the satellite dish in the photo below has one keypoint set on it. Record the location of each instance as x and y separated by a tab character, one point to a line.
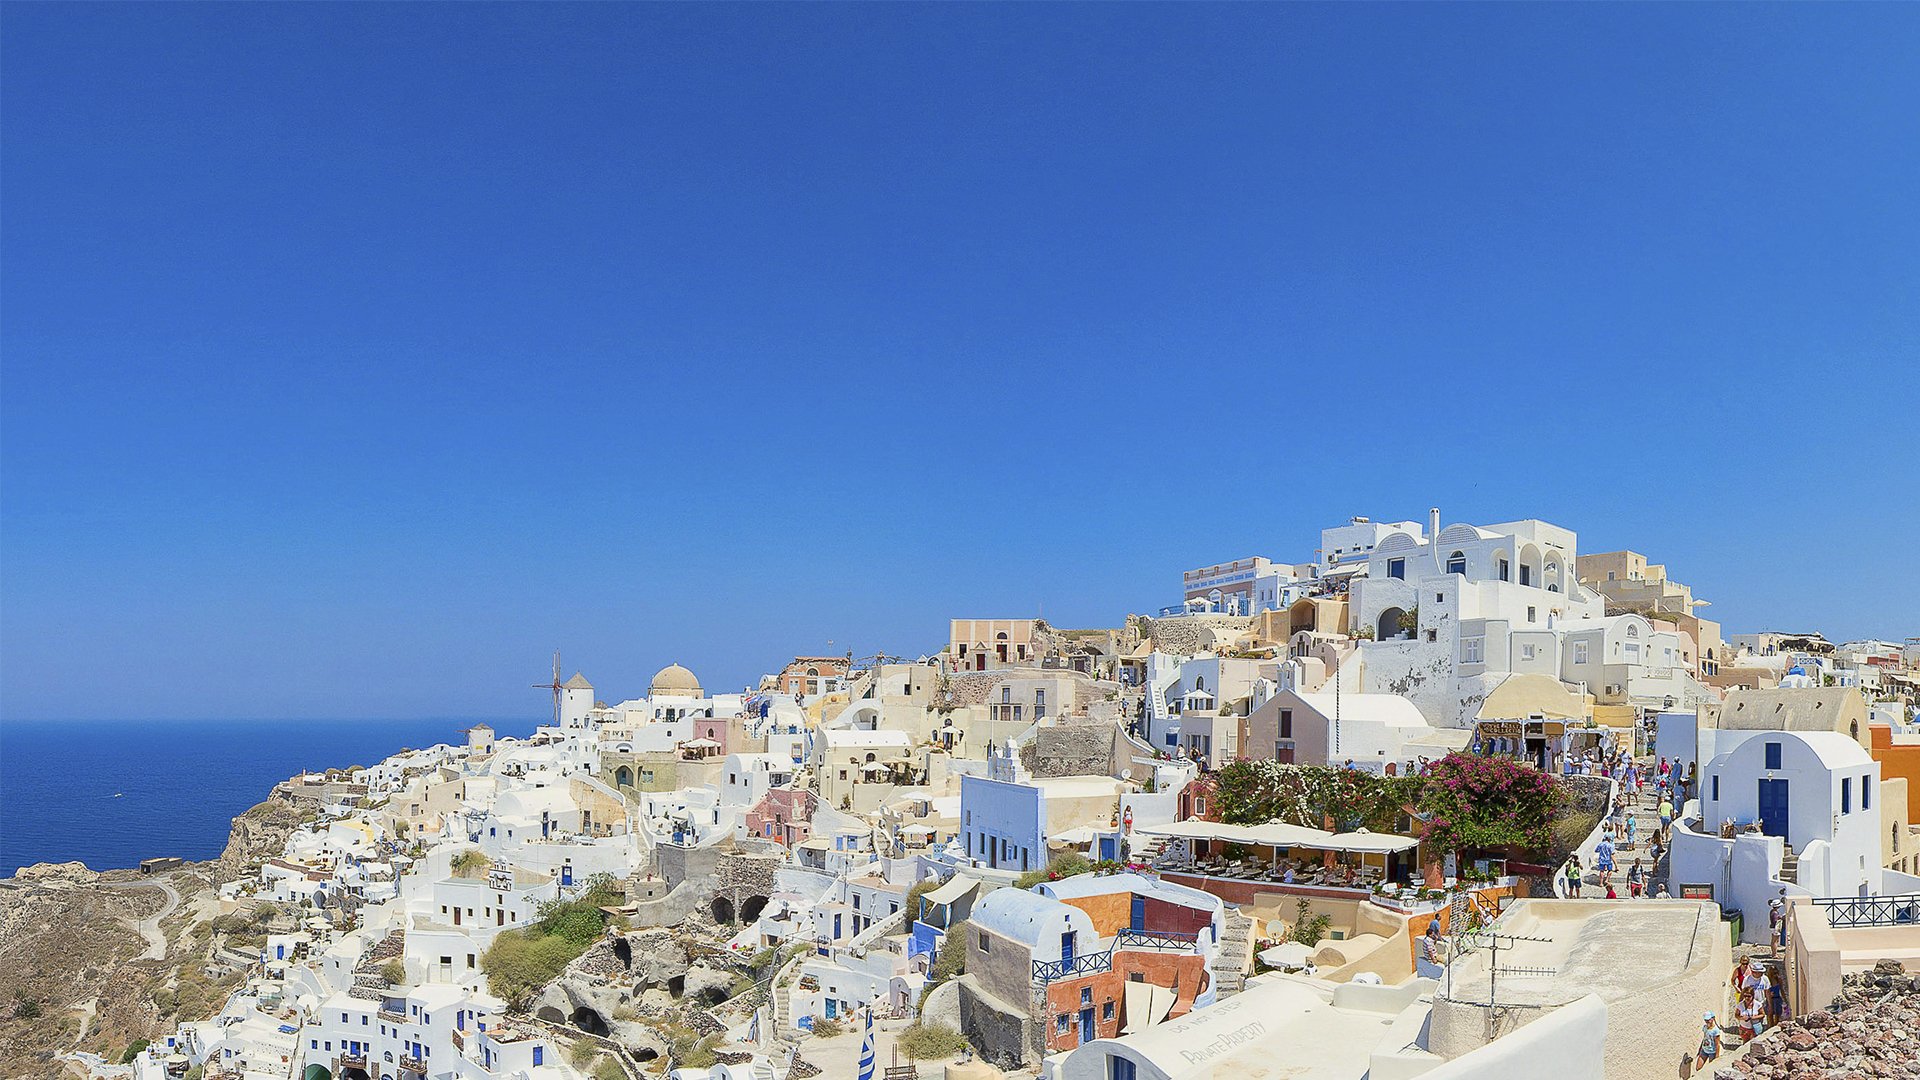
1126	774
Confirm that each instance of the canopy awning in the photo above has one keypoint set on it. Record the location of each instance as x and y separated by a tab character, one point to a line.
1147	1005
952	890
917	830
1074	836
1273	834
1364	841
700	744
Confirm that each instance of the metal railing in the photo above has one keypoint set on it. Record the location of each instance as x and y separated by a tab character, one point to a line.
1154	939
1842	911
1045	971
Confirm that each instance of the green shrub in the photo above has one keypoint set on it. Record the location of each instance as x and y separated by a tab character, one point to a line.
1309	927
394	971
520	962
825	1028
133	1051
609	1069
951	960
1062	866
931	1042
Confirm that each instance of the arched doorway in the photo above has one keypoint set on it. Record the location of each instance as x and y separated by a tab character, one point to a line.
623	952
722	910
623	777
752	907
1389	625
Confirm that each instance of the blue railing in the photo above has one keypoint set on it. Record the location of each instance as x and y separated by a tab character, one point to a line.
1154	939
1903	910
1045	971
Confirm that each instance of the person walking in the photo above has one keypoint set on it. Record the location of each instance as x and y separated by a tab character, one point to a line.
1573	874
1666	814
1633	829
1709	1043
1636	881
1603	859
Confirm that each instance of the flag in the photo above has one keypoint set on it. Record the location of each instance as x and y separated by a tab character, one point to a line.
866	1048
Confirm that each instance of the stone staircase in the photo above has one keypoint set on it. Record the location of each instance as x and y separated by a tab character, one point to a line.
1145	849
1790	866
1234	958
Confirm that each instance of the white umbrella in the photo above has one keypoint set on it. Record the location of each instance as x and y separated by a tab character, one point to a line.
1287	954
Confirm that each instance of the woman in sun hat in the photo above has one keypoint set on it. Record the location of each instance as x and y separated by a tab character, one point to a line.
1709	1043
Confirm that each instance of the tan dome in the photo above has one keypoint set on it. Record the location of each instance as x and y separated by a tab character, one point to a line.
674	681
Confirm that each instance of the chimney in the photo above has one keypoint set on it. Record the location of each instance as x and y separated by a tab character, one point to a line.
1433	537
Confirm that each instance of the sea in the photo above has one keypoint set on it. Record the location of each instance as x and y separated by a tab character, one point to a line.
112	792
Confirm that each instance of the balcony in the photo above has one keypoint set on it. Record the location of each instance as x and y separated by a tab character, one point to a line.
343	1062
414	1065
1046	971
393	1015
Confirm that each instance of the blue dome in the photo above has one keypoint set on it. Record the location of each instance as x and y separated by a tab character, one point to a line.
1796	670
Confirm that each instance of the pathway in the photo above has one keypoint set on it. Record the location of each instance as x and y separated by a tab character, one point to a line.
149	928
1646	813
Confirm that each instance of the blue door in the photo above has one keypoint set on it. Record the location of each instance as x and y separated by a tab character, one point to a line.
1107	851
566	874
831	1010
1086	1026
1773	807
1066	946
1138	919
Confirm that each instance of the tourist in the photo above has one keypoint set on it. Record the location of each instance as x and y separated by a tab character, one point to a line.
1603	859
1633	830
1777	919
1662	894
1636	881
1747	1014
1573	875
1742	975
1611	895
1664	768
1709	1043
1666	814
1287	877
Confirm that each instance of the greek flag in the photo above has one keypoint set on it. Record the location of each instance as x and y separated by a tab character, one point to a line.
866	1048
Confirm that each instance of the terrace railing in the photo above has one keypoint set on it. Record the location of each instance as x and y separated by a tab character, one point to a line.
1843	911
1046	971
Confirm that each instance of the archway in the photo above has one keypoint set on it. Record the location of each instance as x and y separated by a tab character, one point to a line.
589	1021
752	907
623	952
1389	624
316	1071
623	777
1300	617
722	910
676	985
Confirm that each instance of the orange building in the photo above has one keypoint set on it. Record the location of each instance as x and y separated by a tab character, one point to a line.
1899	757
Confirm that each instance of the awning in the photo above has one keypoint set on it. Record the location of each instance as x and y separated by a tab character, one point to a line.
700	744
1074	837
952	890
1147	1005
917	830
1364	841
1281	834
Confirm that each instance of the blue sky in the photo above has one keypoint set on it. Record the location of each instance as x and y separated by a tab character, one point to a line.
356	357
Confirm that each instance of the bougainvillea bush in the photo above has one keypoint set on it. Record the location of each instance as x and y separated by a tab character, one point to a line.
1463	800
1470	801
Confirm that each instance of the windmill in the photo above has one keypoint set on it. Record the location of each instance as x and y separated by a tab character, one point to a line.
554	686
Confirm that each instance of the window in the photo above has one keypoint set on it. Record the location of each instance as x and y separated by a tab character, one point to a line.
1579	652
539	1054
1433	635
1006	694
1716	788
1457	563
1504	571
1286	723
1526	652
1397	568
1106	1010
1473	650
1773	755
1060	1024
1533	614
1439	598
1846	794
1086	995
983	941
1866	793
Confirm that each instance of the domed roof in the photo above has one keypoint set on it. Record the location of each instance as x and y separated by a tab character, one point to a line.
675	681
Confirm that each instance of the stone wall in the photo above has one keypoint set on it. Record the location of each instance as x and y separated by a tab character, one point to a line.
1081	750
1005	1039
